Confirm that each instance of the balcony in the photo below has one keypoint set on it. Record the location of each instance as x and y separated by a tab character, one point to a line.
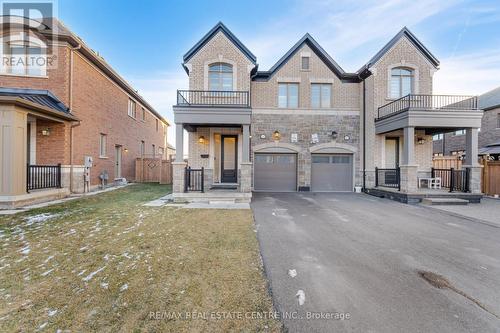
435	113
196	108
205	98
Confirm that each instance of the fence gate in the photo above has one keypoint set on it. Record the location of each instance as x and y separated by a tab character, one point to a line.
153	170
446	162
490	179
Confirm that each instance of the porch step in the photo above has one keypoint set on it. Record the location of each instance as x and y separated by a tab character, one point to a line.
221	201
224	187
444	201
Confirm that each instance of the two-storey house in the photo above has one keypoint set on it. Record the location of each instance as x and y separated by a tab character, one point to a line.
307	125
59	103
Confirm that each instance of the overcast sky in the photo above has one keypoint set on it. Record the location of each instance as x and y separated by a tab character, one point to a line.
144	41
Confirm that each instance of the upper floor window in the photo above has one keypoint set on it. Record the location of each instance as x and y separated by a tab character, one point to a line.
153	150
131	108
305	63
437	137
288	95
23	58
143	114
459	132
143	148
157	127
401	82
321	95
220	77
498	120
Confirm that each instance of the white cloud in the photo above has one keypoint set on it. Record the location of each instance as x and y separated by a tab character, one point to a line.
341	26
472	73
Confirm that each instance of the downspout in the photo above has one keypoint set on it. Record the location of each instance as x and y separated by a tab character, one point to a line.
73	125
364	135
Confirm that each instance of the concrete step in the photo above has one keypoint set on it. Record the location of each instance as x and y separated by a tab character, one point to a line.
224	187
226	201
444	201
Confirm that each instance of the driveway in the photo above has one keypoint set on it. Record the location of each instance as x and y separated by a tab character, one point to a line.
359	256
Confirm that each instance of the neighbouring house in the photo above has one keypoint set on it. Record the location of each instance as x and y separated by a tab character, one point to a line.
55	113
307	125
449	144
170	152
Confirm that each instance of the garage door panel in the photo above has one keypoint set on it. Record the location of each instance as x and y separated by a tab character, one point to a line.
331	173
275	172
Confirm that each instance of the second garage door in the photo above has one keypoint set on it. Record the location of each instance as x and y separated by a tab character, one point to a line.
331	173
275	172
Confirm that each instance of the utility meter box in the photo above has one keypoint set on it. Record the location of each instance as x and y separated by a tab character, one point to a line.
88	161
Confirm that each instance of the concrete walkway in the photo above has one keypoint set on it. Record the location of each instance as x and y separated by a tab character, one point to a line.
488	211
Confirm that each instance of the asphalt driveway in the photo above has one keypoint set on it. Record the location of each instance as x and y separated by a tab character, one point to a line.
358	257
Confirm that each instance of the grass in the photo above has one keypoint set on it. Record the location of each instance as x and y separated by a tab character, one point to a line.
107	263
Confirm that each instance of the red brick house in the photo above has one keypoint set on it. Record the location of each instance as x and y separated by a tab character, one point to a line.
61	111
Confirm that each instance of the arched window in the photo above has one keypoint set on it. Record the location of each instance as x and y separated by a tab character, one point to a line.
23	57
401	82
220	77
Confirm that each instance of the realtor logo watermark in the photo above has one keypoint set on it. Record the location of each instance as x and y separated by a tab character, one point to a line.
252	315
28	30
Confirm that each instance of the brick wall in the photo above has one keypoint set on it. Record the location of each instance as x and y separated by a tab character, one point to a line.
54	148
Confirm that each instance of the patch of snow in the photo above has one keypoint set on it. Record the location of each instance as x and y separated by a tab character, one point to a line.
25	250
52	312
104	285
39	218
47	272
41	327
47	260
292	273
301	297
84	248
91	275
124	287
81	273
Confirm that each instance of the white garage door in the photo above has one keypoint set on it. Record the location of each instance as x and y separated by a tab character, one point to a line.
275	172
331	173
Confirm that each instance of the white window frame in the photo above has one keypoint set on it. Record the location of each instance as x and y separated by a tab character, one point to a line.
142	148
459	132
320	104
132	108
27	44
415	82
220	86
288	84
437	137
103	143
302	58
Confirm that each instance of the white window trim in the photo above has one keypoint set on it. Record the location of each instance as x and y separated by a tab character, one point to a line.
102	135
321	94
134	116
416	77
288	95
32	42
207	64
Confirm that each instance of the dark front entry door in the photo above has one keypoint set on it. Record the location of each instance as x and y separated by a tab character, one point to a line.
229	158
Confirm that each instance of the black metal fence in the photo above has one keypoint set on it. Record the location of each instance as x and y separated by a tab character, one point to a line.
213	98
454	180
428	102
43	176
194	180
388	178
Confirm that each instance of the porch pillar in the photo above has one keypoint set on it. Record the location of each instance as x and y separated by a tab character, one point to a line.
409	146
13	151
246	144
179	142
408	170
471	151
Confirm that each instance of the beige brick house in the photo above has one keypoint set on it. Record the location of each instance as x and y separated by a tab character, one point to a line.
307	125
57	113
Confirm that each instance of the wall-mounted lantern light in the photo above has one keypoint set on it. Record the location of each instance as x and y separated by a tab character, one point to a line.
276	135
420	141
334	135
125	150
46	131
201	139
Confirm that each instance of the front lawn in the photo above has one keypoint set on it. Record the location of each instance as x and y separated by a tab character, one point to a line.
107	263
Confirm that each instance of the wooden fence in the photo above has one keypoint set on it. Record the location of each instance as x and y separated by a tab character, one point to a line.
153	170
490	180
446	162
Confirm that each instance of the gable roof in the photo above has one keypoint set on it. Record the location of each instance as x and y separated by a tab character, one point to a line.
405	32
205	39
318	50
489	100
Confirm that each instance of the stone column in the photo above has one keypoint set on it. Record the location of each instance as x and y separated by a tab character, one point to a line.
471	151
246	144
246	177
178	176
408	170
13	150
179	142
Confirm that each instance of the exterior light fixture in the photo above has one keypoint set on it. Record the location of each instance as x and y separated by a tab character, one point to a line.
125	150
334	135
262	136
46	132
276	135
201	139
347	138
420	141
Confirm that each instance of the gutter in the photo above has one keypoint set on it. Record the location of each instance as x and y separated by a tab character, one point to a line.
73	125
364	135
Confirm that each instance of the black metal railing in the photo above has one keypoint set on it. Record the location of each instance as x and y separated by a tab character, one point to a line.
213	98
454	180
388	178
428	102
194	180
43	176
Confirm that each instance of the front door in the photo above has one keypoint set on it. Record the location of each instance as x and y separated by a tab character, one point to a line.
229	158
118	161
